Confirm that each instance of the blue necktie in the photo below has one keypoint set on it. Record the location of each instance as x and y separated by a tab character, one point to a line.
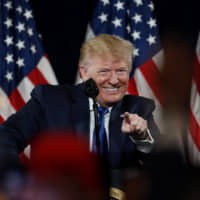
102	133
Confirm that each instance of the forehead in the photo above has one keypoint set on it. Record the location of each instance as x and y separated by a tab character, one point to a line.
109	62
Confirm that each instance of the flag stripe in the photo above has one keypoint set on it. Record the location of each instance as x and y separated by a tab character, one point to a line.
194	126
25	88
158	59
36	77
1	120
194	130
197	72
132	88
198	46
151	74
16	100
195	102
90	33
5	105
46	70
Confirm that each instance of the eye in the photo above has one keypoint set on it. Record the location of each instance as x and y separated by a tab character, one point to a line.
104	71
122	71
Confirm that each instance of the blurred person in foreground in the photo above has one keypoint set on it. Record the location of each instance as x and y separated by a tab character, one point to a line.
130	130
57	173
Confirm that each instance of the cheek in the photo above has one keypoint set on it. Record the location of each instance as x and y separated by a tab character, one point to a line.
124	80
100	80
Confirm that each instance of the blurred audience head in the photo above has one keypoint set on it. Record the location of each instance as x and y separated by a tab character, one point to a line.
62	167
11	175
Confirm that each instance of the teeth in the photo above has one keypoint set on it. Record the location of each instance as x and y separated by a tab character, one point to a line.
111	89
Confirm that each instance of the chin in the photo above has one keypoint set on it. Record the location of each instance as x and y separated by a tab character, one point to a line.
112	101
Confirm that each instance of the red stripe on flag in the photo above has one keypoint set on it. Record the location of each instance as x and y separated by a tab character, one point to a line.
132	88
152	75
36	77
1	120
197	73
16	100
194	130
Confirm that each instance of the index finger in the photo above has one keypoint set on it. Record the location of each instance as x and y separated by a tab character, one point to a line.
127	117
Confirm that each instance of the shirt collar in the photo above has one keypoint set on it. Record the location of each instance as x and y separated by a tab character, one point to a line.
91	105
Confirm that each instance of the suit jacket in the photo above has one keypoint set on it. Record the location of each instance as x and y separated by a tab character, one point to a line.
66	107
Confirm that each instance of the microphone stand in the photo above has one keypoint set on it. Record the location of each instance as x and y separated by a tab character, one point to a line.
96	118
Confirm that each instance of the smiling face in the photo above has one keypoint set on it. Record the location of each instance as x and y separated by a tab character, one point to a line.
111	77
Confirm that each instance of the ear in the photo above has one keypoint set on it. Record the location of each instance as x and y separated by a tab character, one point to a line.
83	73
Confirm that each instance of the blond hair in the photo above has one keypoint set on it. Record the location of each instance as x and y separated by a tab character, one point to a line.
106	45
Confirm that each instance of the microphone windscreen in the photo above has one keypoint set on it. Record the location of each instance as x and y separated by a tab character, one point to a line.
90	88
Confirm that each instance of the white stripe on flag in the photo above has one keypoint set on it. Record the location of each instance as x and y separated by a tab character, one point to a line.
5	106
25	88
198	47
46	70
195	102
89	33
145	90
159	60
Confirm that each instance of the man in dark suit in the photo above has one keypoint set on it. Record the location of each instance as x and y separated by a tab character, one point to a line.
129	124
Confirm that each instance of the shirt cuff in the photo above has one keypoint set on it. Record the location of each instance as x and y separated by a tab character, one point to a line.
146	145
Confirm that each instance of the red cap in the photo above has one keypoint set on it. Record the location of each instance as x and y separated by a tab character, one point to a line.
63	155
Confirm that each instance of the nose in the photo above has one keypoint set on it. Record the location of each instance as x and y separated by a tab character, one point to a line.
113	78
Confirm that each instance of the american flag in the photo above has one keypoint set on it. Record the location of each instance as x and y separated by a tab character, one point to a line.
23	62
134	20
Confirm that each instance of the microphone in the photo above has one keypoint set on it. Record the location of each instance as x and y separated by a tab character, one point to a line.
91	89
